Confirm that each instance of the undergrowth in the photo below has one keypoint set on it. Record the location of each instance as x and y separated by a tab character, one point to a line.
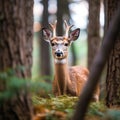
62	108
52	108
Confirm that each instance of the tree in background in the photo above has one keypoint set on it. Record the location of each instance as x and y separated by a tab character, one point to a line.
113	65
63	13
60	13
16	28
44	47
93	30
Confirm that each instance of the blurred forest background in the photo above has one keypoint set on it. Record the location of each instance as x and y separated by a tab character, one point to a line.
26	64
89	17
76	12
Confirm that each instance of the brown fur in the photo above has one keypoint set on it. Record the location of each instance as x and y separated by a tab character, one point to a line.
66	80
71	81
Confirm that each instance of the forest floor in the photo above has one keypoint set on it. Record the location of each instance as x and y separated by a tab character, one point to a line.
62	108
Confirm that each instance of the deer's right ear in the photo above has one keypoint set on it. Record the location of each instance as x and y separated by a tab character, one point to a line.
47	34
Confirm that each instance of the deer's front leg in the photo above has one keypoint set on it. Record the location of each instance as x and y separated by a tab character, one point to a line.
56	89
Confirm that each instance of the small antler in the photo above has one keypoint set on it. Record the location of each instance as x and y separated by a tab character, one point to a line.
67	28
53	26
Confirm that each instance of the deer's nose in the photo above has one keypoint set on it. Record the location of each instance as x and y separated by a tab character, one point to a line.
58	53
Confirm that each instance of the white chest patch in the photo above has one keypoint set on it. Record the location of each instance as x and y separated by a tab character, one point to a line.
63	61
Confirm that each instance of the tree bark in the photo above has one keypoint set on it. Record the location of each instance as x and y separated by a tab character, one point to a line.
16	25
60	13
113	65
44	46
93	30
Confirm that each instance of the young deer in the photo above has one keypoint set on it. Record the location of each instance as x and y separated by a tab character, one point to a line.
67	80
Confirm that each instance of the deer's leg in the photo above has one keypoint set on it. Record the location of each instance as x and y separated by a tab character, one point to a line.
55	88
71	88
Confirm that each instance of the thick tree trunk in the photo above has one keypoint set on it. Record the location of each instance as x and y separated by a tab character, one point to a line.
16	23
93	30
113	65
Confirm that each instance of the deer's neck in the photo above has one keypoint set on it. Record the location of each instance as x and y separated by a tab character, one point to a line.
62	75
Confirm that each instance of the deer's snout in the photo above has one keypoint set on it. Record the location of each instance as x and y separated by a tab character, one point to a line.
59	53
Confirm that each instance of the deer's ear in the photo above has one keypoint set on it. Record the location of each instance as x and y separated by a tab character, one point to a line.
74	34
46	34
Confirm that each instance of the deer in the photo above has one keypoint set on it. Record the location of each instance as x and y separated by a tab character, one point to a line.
67	80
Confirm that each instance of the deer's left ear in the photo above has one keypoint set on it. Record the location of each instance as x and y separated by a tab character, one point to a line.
74	34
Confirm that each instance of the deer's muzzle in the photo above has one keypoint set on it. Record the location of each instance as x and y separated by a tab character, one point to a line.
59	54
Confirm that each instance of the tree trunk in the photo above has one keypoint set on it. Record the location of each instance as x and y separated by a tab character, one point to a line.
113	65
16	23
60	12
63	13
93	30
44	46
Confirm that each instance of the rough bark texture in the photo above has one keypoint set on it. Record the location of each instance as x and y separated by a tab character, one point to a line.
44	46
93	30
16	21
113	65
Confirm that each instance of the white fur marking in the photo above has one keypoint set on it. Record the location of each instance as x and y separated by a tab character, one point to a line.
63	61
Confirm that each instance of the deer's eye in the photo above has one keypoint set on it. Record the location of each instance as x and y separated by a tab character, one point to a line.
66	44
53	44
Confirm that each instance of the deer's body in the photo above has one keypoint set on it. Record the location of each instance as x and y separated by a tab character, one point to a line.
67	80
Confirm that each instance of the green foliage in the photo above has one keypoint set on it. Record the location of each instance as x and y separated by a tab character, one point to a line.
66	104
112	115
11	84
62	106
97	108
40	87
61	103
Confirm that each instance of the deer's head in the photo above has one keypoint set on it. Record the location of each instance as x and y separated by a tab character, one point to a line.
60	44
